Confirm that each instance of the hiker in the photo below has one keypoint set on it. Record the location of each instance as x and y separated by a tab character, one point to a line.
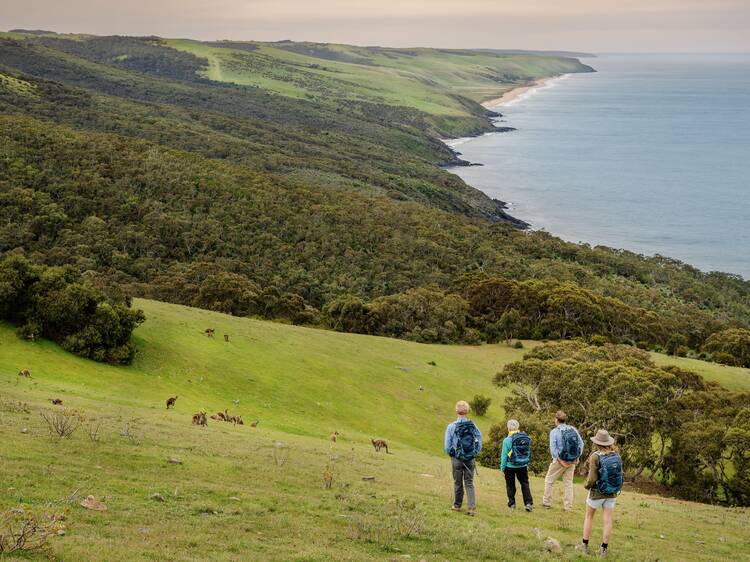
514	463
566	447
463	441
604	483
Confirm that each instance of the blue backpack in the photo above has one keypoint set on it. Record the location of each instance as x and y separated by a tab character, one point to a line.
610	476
467	445
571	446
520	449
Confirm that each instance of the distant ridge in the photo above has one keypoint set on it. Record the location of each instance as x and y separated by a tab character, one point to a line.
540	53
33	31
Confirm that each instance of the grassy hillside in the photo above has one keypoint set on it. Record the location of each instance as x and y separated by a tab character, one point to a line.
248	493
425	79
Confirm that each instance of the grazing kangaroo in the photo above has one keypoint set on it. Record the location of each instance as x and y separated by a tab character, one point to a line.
171	401
334	436
209	332
328	477
200	419
255	423
24	373
56	401
380	444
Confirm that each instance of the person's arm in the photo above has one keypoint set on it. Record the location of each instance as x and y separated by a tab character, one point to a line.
479	438
553	449
504	454
448	438
593	475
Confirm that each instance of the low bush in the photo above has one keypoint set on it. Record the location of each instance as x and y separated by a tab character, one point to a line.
480	404
58	303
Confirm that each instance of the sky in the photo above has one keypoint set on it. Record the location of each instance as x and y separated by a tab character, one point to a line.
581	25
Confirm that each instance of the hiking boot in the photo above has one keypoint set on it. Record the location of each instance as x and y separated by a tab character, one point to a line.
583	548
456	508
471	512
512	507
602	552
528	507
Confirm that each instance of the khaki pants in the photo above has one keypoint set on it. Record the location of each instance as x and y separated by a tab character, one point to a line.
554	472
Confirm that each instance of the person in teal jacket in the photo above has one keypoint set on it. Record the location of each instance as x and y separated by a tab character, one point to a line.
514	464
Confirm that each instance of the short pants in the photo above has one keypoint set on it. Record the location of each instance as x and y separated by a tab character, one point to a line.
608	503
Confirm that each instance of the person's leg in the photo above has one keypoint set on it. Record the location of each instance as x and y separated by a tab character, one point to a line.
469	468
607	516
458	482
523	479
568	487
554	471
510	485
588	522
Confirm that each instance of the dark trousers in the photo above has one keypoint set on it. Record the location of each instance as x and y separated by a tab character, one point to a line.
463	474
510	485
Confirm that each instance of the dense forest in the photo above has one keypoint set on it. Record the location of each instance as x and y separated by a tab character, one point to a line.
121	159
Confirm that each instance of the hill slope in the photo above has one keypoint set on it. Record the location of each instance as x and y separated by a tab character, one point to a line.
302	384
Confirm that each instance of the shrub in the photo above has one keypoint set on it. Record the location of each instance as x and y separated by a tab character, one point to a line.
724	358
518	344
62	424
480	404
58	303
21	530
734	343
681	351
598	340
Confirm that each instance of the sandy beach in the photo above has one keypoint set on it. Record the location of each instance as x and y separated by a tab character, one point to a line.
510	95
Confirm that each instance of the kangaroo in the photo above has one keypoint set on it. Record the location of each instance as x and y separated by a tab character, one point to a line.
226	337
56	401
328	477
255	423
334	436
209	332
380	444
200	419
171	401
24	373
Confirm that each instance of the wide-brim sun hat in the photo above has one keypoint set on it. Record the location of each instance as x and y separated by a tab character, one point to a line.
603	438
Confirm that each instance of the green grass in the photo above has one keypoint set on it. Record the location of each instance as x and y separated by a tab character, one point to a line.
732	378
424	79
302	384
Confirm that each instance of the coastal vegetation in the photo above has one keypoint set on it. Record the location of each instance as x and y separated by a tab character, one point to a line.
671	426
302	182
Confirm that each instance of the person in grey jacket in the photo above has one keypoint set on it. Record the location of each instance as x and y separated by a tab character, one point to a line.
462	469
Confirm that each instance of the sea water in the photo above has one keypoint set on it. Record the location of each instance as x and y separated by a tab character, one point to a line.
651	154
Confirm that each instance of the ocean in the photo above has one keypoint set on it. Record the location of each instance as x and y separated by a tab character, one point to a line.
651	154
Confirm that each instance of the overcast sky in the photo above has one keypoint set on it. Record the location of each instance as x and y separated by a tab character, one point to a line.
586	25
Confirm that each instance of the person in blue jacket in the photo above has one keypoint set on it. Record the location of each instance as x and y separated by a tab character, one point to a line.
462	443
514	464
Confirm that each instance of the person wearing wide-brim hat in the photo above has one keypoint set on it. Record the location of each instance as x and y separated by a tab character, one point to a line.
604	483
